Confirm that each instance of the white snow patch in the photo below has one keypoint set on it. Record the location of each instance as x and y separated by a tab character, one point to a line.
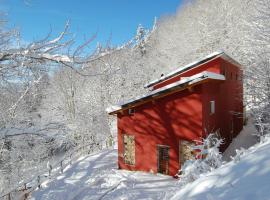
113	108
97	177
246	179
245	139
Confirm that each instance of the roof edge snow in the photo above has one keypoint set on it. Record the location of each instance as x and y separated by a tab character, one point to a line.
192	65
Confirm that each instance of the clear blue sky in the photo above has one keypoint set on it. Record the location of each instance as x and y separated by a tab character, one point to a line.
119	17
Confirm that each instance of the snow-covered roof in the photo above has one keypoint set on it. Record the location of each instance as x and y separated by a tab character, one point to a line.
113	108
188	81
192	65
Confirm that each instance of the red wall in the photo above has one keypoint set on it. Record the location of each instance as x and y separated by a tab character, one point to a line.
163	122
211	66
229	103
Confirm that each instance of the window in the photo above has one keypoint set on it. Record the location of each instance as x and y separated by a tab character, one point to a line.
212	107
129	149
163	159
231	76
131	111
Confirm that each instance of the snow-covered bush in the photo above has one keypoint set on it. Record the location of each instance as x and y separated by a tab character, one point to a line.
208	158
239	153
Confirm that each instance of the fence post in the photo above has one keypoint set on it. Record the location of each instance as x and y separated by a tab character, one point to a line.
90	149
38	182
70	161
9	196
50	170
25	191
61	166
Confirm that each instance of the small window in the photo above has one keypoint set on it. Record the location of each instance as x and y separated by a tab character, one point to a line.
212	107
131	111
231	76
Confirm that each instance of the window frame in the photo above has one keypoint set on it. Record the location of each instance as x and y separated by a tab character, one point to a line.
212	107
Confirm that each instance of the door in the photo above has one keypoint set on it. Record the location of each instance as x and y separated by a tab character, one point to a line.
163	159
129	149
185	151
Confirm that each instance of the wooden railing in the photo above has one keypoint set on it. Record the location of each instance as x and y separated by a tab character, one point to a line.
22	191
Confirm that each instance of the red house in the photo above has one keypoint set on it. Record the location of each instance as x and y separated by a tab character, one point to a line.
156	130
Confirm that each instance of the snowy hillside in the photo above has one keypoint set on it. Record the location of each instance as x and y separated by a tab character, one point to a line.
97	177
248	178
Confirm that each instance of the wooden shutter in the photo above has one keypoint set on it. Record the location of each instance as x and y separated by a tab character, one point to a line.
185	151
129	149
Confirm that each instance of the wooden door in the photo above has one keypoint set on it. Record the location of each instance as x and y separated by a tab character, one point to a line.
129	149
163	159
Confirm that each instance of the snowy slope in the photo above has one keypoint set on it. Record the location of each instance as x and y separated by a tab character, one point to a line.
248	179
245	139
97	177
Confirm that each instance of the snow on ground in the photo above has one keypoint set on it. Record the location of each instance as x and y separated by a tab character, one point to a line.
245	139
248	179
97	177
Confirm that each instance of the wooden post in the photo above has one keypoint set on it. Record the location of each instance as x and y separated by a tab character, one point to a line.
61	166
70	161
50	170
38	182
25	191
9	196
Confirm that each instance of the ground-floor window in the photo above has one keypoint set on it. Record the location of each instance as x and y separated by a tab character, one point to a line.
186	152
163	159
129	149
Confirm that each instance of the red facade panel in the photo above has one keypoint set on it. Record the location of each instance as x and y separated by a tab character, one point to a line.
163	122
210	66
228	97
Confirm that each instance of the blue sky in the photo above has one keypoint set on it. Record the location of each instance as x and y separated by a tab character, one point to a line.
119	17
